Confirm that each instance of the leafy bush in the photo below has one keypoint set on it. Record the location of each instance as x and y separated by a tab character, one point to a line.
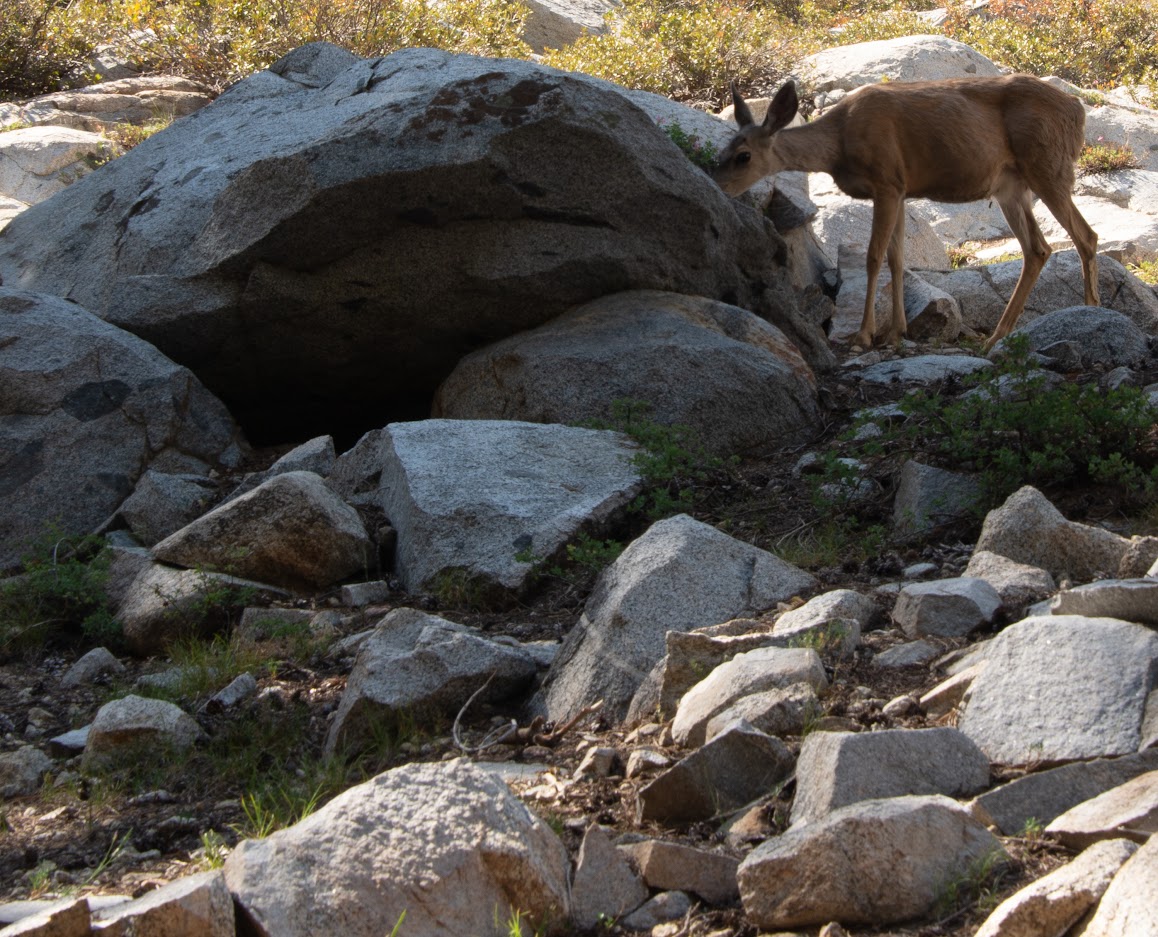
1105	157
687	50
221	41
1095	43
701	152
1014	429
40	50
60	592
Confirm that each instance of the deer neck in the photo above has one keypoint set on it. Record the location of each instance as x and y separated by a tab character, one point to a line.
811	148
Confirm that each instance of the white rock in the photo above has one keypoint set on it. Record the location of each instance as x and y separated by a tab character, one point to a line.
1130	904
553	24
194	906
1127	599
911	58
1129	810
134	726
38	162
1136	129
945	608
1018	584
447	844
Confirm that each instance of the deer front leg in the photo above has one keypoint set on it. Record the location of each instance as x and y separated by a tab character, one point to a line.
898	323
1017	206
885	211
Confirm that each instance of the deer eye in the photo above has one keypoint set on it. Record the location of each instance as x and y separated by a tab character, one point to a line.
743	158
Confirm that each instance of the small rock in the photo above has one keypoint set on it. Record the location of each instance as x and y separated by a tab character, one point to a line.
946	607
96	663
666	865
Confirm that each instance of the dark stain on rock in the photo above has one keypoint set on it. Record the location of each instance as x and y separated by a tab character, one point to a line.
93	400
140	207
471	102
16	304
21	467
104	202
420	216
558	216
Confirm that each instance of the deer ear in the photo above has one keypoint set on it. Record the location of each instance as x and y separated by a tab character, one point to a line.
782	109
740	109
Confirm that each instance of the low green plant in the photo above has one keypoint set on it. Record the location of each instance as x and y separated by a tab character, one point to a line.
977	886
61	592
127	136
1146	271
213	850
1032	829
1105	156
701	152
397	928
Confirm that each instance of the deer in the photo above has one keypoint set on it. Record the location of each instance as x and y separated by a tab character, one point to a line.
955	140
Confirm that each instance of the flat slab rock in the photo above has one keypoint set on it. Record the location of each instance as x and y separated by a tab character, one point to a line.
1062	688
1130	904
1127	599
1129	810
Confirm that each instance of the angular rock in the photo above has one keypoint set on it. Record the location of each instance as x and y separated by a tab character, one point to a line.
1126	599
909	654
670	866
447	844
664	907
96	663
831	870
1129	810
99	107
1044	796
604	885
163	503
1018	584
1030	530
238	689
1061	688
836	769
948	693
777	712
421	665
69	743
945	608
690	655
553	24
820	612
736	767
481	500
22	771
194	906
263	246
133	725
1129	905
85	409
292	531
162	605
38	162
752	385
317	456
1055	902
679	575
743	675
69	917
929	497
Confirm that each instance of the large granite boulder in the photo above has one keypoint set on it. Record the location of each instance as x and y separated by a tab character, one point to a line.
726	373
327	239
85	410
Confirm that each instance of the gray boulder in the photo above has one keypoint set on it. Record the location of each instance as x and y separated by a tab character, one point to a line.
840	768
680	575
945	608
604	885
929	497
1129	905
1104	338
1129	810
834	618
134	726
22	771
923	369
85	409
163	503
553	24
96	663
831	870
419	665
195	904
1018	584
738	766
446	844
1030	530
780	711
317	456
101	106
291	531
423	204
1061	688
711	875
480	501
750	387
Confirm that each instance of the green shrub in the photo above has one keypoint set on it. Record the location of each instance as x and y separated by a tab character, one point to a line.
1105	157
1094	43
221	41
701	152
40	50
687	50
60	593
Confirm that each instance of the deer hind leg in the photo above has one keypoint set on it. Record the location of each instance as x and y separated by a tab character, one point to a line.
885	211
1017	206
1061	206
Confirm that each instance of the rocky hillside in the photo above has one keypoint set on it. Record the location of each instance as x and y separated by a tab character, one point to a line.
434	508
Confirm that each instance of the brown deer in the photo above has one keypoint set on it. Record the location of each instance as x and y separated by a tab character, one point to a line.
959	140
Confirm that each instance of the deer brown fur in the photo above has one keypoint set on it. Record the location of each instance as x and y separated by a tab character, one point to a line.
959	140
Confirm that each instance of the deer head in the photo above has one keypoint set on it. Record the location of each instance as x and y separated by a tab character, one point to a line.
751	154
